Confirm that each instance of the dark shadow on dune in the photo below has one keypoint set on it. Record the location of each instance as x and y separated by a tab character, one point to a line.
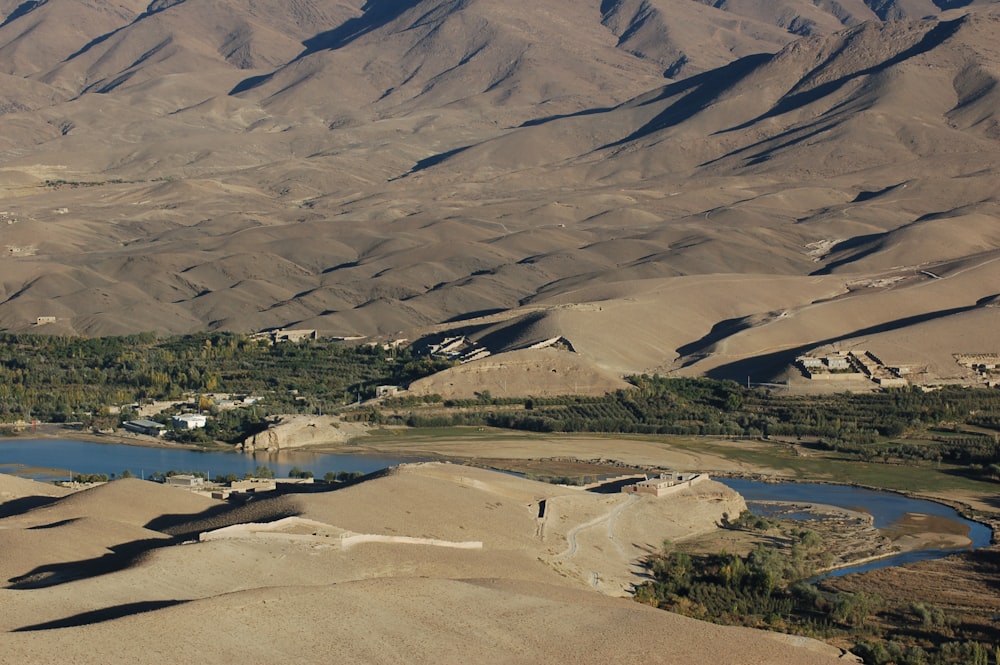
22	9
510	334
934	38
719	331
121	557
151	9
871	240
243	508
772	144
474	315
101	615
376	14
869	195
53	525
436	338
701	89
613	487
433	160
541	121
250	82
176	525
267	507
24	504
341	266
771	364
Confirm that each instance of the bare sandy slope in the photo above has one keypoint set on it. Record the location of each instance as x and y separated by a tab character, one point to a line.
526	372
612	173
526	594
515	445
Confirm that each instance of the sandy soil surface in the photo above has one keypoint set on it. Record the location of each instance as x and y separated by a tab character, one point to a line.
607	450
531	593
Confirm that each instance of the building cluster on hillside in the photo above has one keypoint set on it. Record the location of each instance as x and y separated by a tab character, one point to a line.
284	335
459	348
178	421
853	365
464	350
243	488
985	365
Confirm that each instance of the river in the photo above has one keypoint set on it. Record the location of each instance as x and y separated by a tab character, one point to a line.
55	459
887	508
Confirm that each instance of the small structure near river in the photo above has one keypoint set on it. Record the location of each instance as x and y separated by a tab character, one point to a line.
665	483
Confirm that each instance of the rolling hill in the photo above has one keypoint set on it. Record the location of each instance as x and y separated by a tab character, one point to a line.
671	186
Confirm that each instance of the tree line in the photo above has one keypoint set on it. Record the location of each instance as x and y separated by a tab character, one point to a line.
76	379
769	588
952	424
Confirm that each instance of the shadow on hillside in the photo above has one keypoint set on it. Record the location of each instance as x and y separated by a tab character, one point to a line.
268	507
376	13
101	615
719	332
177	525
772	364
701	89
121	557
993	501
934	37
24	504
872	240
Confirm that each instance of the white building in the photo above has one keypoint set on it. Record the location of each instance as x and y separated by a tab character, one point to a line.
185	480
188	420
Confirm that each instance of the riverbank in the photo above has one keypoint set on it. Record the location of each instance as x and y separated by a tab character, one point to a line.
551	456
57	431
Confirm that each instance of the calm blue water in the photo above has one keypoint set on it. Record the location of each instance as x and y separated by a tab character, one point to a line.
886	507
108	458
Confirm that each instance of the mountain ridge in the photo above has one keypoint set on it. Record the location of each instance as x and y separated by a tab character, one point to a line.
385	175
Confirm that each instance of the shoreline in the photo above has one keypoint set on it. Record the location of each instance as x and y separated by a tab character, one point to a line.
56	431
465	452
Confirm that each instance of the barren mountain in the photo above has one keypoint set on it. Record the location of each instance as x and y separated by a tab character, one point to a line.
667	186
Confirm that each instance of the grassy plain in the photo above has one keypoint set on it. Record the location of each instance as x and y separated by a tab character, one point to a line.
782	459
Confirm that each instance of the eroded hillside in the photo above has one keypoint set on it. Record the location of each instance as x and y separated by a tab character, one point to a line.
668	186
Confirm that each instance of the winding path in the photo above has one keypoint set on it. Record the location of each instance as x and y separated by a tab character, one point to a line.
608	517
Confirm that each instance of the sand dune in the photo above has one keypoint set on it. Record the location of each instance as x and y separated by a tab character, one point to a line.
524	596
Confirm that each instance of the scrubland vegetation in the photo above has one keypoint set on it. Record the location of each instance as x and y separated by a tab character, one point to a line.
771	587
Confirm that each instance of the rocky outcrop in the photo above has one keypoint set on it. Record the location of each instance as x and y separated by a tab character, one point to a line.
297	431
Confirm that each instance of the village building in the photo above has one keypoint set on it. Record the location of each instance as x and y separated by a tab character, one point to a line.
664	483
184	480
188	420
253	485
838	362
142	426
